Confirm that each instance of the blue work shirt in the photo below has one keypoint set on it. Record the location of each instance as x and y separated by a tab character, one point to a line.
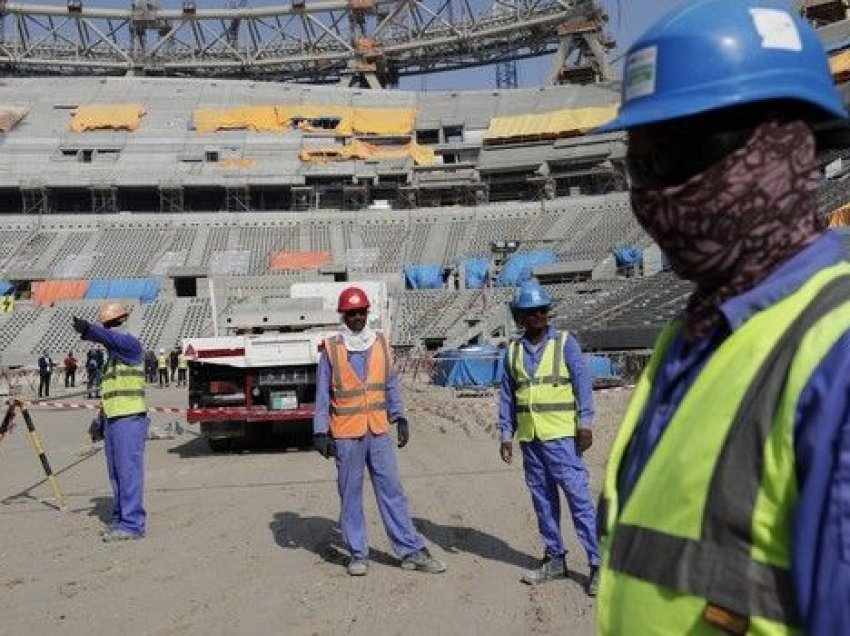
820	564
359	361
123	346
579	377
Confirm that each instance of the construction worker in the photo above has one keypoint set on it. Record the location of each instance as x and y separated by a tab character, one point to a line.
124	415
162	368
727	495
357	397
182	368
546	400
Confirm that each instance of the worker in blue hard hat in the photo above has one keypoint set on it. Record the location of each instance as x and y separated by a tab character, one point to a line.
726	503
546	401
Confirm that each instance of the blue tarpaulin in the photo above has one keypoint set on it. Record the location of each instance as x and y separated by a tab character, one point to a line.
470	366
475	272
145	289
424	276
600	367
626	256
518	268
5	287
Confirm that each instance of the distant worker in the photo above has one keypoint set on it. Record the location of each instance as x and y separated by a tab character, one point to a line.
45	371
182	369
162	368
172	363
546	400
150	366
70	365
357	397
124	415
727	496
93	369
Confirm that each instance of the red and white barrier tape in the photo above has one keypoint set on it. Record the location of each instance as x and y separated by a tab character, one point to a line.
96	407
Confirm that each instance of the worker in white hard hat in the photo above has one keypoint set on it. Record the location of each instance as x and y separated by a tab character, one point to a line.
124	418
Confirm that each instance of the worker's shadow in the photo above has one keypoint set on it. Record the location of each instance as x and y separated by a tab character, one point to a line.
101	507
318	535
454	539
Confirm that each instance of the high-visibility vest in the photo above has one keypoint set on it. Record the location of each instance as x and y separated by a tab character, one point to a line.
162	361
182	362
357	405
123	388
705	536
545	404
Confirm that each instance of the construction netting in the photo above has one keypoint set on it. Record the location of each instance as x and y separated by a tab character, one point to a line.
298	260
550	125
329	118
106	116
10	116
840	217
145	289
359	149
46	292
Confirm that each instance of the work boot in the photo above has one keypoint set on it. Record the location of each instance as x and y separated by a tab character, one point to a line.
422	561
116	534
357	566
551	568
593	582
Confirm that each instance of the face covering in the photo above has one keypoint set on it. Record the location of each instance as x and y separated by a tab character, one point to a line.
726	229
359	341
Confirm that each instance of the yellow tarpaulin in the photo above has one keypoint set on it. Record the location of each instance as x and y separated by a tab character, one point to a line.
557	123
421	155
262	118
236	162
840	217
839	65
349	121
109	116
10	116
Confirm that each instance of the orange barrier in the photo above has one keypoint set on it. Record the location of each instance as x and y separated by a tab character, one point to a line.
298	260
49	291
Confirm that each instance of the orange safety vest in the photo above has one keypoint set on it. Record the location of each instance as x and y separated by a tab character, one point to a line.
358	405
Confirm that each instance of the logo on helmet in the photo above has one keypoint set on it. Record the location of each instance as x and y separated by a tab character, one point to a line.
777	29
641	70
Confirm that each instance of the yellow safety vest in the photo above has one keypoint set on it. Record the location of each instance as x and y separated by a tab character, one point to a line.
162	361
545	404
704	541
182	362
123	389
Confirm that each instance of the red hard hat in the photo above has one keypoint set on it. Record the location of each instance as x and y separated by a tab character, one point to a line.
352	298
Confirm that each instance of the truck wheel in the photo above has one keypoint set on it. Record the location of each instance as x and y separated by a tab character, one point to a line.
219	445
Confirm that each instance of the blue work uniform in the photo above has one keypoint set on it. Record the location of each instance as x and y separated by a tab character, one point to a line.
375	452
124	438
820	561
550	464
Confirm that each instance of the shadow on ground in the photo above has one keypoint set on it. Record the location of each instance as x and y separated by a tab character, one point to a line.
454	539
320	536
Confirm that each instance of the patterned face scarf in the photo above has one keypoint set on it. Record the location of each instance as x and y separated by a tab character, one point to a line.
727	228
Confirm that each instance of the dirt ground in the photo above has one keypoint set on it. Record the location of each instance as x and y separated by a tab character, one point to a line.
248	542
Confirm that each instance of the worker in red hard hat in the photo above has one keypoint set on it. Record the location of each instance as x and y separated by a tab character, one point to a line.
124	418
358	397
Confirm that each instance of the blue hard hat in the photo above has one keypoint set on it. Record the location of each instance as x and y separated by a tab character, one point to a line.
714	54
530	295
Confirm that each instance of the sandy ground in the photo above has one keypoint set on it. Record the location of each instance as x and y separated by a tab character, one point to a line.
248	543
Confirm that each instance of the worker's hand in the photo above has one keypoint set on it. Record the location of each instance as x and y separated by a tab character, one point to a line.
584	439
80	325
96	429
506	452
325	444
403	430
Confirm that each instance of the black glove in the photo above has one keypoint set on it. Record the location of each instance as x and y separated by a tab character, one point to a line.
96	429
403	430
80	325
325	444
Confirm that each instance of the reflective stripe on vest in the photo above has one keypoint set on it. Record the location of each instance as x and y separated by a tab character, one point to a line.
358	405
545	405
709	520
123	389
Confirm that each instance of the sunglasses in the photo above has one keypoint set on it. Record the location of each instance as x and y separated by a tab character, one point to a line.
534	311
356	312
675	160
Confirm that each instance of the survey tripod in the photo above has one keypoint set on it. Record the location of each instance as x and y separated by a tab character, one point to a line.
16	404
